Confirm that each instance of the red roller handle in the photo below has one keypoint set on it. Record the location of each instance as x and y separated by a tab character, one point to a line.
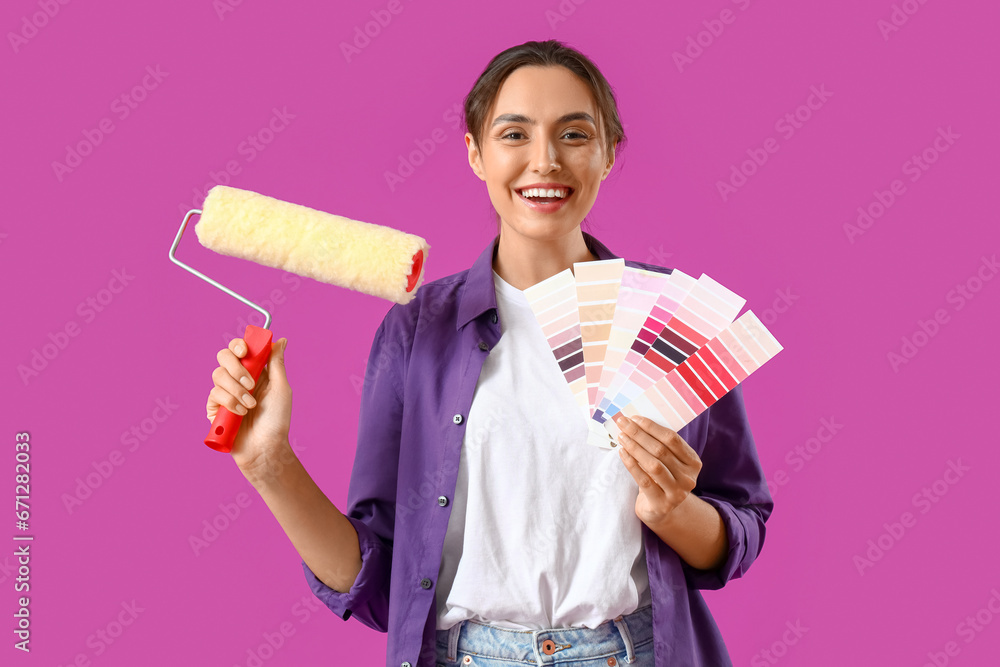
226	424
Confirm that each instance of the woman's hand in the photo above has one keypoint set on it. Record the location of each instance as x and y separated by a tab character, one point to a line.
663	465
266	414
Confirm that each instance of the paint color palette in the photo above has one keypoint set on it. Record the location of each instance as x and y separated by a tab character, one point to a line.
636	297
669	300
643	342
553	301
704	377
706	309
597	295
667	303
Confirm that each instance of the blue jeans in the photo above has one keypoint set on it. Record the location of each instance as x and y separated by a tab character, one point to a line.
626	640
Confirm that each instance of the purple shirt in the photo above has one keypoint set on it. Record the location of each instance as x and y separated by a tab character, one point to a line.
422	371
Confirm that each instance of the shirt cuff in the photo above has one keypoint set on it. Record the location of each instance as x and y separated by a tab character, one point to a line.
375	563
737	533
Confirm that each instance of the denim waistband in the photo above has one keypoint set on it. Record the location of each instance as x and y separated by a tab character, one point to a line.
553	645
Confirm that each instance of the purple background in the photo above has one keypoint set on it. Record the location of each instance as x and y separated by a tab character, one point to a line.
839	304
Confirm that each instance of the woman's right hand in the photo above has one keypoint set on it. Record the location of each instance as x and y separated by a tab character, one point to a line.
263	433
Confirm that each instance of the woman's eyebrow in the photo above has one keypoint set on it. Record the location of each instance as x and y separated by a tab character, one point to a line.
521	118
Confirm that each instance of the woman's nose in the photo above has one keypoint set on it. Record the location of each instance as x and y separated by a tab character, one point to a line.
545	156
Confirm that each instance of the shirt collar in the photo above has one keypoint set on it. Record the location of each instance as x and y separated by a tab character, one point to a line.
479	294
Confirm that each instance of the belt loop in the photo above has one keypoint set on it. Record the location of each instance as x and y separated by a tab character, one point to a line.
453	633
627	638
534	646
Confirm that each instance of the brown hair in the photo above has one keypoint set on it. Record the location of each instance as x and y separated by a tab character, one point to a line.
544	54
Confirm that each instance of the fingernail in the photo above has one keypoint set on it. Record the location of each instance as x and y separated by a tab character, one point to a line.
249	401
239	348
246	382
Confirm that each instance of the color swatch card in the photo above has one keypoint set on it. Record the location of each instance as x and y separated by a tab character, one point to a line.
667	302
639	291
705	376
641	342
597	294
553	301
706	309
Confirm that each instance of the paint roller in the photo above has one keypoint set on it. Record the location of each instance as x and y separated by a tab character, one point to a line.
360	256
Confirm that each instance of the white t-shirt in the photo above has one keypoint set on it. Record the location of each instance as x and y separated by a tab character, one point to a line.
543	531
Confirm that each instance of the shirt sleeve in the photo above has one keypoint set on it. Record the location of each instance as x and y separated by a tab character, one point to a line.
371	496
732	481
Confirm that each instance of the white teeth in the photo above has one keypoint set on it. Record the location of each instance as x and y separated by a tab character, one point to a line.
542	192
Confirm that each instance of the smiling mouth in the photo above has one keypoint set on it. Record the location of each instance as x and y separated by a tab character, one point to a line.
543	195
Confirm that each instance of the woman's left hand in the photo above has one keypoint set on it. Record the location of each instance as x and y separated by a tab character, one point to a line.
663	465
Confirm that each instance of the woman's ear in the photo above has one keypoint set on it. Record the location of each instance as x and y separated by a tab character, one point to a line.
611	161
475	159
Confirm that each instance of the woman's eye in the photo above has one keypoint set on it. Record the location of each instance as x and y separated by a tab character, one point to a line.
515	135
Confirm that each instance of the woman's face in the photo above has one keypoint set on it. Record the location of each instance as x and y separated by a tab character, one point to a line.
542	131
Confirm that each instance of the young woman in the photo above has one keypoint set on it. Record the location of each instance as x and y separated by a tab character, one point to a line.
481	528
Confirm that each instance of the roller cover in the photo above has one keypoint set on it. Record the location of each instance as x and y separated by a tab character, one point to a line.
368	258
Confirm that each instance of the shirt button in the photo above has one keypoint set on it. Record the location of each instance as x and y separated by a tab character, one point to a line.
442	501
483	346
457	419
493	317
426	583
